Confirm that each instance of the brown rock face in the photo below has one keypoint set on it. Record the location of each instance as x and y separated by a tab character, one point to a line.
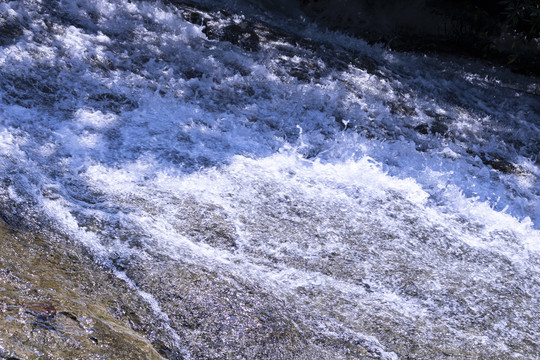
54	304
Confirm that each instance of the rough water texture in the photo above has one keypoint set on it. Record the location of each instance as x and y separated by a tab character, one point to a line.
188	183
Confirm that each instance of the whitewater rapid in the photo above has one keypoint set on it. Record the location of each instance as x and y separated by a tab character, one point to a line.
387	203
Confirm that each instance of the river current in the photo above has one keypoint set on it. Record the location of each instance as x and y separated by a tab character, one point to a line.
273	190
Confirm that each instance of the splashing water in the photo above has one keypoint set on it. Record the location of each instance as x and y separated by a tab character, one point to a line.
274	190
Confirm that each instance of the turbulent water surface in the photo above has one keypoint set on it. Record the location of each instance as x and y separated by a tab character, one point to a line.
245	186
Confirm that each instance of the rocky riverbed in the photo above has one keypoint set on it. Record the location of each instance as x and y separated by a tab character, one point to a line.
55	303
184	182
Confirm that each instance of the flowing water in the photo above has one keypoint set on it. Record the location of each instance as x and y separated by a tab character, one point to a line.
204	184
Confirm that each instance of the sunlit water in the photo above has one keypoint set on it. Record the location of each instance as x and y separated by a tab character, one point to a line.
379	204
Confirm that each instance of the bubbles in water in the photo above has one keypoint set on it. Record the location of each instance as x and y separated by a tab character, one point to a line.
352	200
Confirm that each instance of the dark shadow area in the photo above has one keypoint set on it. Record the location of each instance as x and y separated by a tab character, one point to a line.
503	32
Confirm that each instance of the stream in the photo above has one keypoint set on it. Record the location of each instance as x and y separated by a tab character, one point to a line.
184	182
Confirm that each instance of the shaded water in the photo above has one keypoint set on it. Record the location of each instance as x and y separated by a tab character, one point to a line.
240	186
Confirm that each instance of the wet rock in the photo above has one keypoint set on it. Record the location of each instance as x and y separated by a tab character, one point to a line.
111	102
54	304
422	129
438	127
224	318
499	164
208	224
241	34
300	73
195	17
371	65
400	108
410	289
41	309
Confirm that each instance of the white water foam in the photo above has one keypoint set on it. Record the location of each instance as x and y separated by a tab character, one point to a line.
126	116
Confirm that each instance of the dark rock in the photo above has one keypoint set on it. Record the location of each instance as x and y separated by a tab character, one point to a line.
422	129
438	127
501	165
242	35
41	309
194	17
300	73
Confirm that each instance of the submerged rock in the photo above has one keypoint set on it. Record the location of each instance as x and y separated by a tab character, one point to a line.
41	309
302	201
56	304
